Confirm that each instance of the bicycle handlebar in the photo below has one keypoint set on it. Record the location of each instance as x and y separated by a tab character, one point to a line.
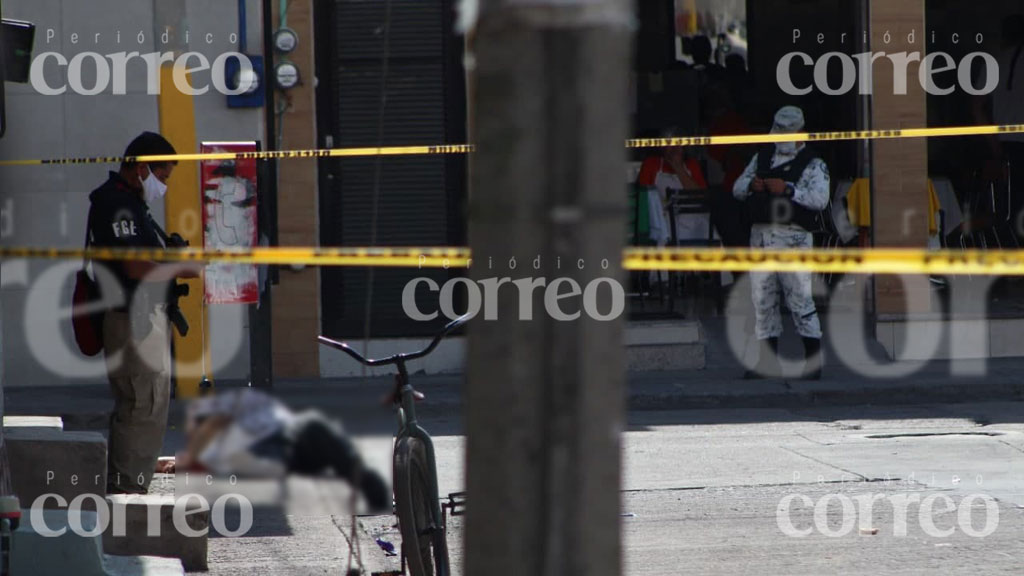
344	347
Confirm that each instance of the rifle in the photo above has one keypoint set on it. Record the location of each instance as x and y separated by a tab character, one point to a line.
179	290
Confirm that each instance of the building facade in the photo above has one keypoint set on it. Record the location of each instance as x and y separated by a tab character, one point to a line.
345	99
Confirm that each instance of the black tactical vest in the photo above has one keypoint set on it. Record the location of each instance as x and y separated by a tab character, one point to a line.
763	208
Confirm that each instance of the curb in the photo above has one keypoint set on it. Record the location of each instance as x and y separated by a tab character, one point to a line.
800	395
732	393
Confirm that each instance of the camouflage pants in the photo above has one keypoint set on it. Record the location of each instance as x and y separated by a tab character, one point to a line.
796	286
139	373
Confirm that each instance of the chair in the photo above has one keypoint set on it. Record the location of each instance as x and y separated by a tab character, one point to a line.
1014	218
638	234
639	217
950	212
988	215
1002	208
694	202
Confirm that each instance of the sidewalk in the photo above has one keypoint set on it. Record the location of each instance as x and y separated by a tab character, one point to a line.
718	386
314	530
299	526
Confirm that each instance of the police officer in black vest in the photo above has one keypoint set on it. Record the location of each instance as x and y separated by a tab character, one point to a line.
784	188
136	334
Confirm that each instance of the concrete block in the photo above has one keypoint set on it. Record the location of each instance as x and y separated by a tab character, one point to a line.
87	421
961	339
665	345
75	548
65	552
666	357
662	333
54	422
1004	337
142	566
148	529
967	339
51	461
450	356
884	334
919	339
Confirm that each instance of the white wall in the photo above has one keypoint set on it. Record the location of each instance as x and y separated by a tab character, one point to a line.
49	203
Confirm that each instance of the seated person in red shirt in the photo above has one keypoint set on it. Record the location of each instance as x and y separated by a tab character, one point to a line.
673	170
677	169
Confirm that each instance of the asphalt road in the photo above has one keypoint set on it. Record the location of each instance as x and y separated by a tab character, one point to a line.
703	489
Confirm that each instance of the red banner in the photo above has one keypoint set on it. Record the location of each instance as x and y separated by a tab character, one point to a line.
229	222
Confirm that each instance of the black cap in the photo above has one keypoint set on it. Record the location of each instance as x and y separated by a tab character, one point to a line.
149	144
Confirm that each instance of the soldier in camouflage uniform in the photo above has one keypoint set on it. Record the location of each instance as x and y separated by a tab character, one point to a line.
784	187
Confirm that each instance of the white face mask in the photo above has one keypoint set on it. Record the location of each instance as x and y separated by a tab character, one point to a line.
786	148
153	188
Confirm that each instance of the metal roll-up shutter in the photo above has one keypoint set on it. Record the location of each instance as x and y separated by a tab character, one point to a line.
418	195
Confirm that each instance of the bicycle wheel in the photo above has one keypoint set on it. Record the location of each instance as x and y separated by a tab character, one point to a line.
423	541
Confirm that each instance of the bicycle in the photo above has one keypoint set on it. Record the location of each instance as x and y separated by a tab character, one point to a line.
420	519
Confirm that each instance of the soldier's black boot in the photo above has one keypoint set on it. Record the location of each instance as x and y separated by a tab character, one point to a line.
812	359
767	361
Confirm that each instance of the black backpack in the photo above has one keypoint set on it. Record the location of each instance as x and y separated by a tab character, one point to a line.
86	310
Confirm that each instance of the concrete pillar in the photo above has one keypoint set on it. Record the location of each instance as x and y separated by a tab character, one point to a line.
183	207
296	309
899	167
3	371
5	474
545	395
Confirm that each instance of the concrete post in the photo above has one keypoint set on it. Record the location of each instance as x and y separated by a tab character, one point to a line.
295	314
899	167
545	394
5	482
5	471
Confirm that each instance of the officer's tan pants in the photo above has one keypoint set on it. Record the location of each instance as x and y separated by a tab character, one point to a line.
140	380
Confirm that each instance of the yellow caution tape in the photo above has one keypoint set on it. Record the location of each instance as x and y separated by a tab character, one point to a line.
272	155
457	149
353	257
863	261
826	136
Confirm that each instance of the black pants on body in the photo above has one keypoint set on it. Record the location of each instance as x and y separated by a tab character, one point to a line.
319	445
313	445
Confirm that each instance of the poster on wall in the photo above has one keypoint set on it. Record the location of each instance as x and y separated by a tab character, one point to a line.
229	221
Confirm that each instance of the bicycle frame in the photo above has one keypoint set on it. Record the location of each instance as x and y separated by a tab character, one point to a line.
408	427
